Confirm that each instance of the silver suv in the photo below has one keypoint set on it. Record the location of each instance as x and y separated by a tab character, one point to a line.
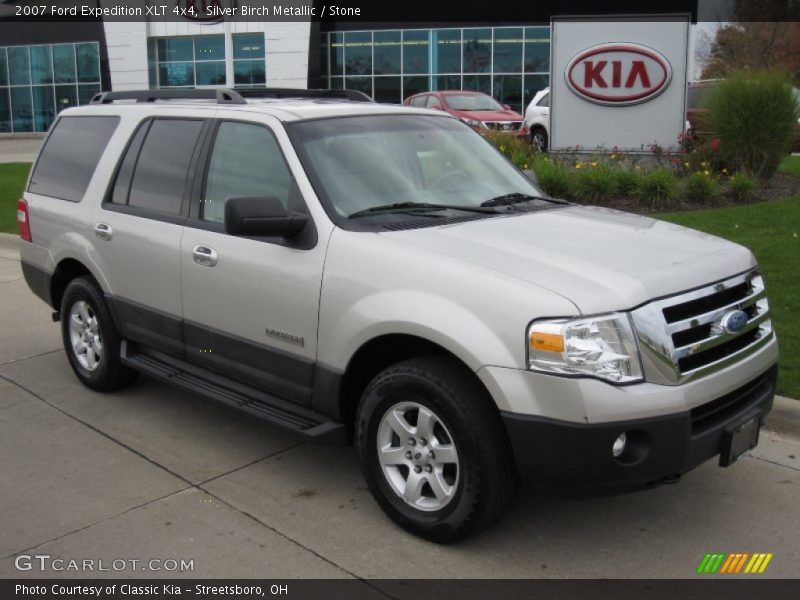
381	275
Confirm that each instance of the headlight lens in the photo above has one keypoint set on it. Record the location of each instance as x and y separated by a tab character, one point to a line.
474	123
603	346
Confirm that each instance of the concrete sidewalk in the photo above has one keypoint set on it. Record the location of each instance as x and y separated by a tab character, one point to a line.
154	472
16	150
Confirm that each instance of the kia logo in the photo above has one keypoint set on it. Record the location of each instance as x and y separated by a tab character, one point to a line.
618	74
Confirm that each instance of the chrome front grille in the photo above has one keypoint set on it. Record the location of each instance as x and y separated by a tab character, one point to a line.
689	335
503	125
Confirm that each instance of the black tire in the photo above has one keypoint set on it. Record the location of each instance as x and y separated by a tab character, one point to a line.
540	144
110	373
487	478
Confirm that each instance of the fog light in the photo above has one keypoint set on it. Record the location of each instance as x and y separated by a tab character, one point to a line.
619	445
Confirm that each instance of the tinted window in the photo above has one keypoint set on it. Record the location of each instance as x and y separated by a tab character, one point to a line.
544	101
122	185
246	161
70	156
163	164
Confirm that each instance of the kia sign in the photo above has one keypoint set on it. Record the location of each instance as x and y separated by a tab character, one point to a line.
618	74
618	82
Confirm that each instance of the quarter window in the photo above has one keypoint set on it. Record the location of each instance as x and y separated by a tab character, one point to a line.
160	176
246	161
70	156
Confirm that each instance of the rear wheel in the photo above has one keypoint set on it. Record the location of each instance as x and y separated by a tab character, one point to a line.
433	450
91	341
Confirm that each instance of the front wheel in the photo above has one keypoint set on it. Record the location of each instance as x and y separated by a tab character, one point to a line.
90	339
433	450
539	139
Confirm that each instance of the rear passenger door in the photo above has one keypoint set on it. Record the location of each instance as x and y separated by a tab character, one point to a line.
250	304
139	226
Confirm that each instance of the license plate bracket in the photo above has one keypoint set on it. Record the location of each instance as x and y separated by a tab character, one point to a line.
739	437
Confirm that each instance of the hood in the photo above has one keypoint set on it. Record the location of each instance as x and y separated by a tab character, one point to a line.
487	115
600	259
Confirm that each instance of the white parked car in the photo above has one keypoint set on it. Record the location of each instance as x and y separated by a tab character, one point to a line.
537	120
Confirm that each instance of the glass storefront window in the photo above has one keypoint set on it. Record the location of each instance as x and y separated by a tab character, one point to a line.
209	47
416	52
248	45
508	50
358	53
39	81
64	63
175	49
249	73
362	84
507	62
447	50
41	64
477	50
176	74
19	65
210	73
387	52
87	59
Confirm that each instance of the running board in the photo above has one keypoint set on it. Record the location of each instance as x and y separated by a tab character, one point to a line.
266	407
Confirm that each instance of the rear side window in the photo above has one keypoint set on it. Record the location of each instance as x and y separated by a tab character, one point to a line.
159	175
418	101
70	156
544	101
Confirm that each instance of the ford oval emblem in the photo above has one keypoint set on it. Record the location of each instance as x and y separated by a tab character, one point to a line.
734	321
618	74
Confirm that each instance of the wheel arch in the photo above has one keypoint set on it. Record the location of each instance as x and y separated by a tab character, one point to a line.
380	352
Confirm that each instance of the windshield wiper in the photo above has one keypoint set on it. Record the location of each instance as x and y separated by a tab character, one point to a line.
415	206
516	198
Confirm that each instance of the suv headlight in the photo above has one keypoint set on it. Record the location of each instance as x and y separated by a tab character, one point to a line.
603	346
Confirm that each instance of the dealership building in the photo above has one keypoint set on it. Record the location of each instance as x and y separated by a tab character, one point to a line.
48	66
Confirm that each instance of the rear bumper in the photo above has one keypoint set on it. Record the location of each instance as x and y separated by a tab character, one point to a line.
548	450
38	280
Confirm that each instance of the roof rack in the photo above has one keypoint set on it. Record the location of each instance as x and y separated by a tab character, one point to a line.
226	96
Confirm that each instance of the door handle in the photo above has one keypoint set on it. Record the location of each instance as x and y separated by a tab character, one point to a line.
205	256
103	231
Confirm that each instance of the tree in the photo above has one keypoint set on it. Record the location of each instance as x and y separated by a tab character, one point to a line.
765	35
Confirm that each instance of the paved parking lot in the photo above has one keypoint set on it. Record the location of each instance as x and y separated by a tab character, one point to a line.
151	472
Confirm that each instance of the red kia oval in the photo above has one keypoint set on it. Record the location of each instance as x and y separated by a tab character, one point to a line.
618	74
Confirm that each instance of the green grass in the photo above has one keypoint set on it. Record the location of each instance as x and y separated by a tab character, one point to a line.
790	165
772	231
12	180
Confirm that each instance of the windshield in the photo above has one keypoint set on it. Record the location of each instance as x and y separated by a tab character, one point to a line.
471	102
375	161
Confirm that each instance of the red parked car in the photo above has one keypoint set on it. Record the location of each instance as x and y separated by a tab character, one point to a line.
478	110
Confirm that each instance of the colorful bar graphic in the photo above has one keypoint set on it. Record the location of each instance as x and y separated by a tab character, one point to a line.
734	563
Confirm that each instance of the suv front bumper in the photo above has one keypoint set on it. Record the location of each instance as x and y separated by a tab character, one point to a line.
549	450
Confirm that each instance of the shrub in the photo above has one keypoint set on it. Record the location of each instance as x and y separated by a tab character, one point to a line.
628	182
700	187
657	186
754	115
741	186
594	183
553	178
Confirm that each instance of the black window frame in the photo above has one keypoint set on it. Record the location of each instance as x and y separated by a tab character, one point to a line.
41	153
306	241
145	213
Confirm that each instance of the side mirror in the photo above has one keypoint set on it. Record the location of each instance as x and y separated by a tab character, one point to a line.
264	216
506	107
436	107
532	176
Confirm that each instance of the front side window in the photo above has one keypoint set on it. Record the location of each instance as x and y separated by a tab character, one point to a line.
70	156
159	179
361	163
246	162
